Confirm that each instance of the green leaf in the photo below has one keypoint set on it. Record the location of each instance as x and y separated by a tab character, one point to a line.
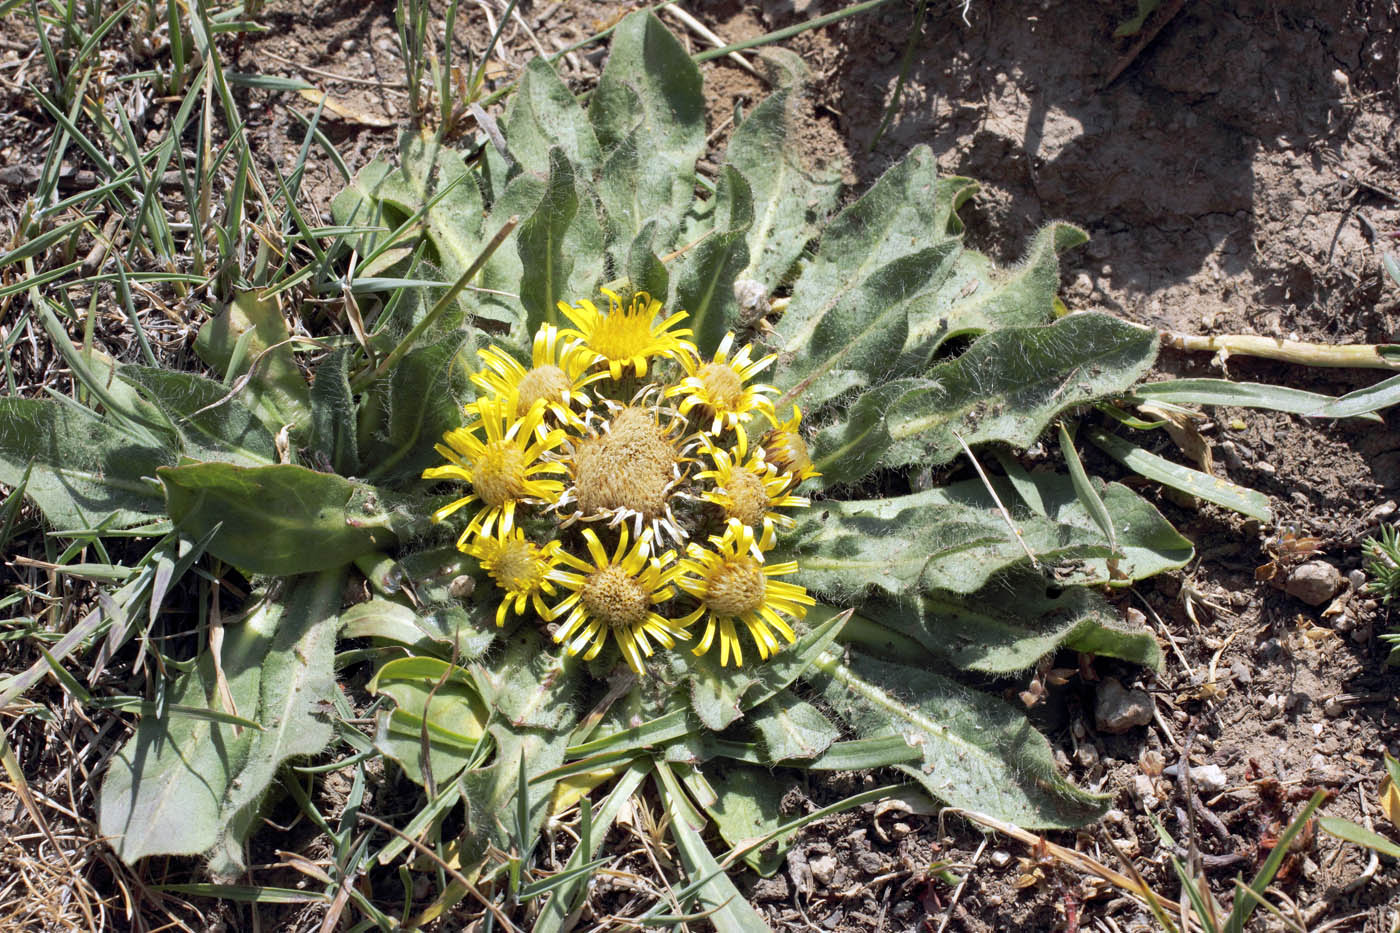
491	791
83	471
281	519
847	288
429	690
645	271
716	693
978	297
333	415
186	786
1006	387
1013	622
250	338
748	806
648	112
426	629
558	247
921	542
792	728
1350	832
542	115
1363	401
212	421
706	274
715	894
1226	392
401	417
1192	482
531	686
791	199
432	183
979	752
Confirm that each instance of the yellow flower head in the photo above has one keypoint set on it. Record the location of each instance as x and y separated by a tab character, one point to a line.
718	387
558	375
731	584
627	338
617	594
503	467
523	570
750	489
784	447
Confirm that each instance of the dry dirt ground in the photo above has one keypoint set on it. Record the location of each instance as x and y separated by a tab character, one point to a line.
1238	167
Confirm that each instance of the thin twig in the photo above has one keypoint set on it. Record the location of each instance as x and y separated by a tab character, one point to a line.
1363	355
1006	516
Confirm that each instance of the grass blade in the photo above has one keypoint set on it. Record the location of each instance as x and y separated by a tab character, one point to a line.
1192	482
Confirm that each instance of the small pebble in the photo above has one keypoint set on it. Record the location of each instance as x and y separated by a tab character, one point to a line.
823	868
1001	858
1357	578
1241	673
1117	709
1314	582
1264	466
1334	707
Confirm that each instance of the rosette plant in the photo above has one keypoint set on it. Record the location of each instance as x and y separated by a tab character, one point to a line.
621	478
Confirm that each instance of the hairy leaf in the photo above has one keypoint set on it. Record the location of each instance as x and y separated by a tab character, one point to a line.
402	416
84	470
542	115
213	422
847	289
706	274
1013	622
558	247
333	416
280	519
748	806
791	198
185	785
792	728
1006	387
249	338
979	752
648	112
432	182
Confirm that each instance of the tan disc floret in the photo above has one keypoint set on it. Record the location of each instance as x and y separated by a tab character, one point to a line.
628	469
579	472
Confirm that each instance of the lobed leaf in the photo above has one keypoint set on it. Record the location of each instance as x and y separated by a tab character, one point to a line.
1006	387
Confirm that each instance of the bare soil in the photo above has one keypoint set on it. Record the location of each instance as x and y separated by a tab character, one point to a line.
1238	173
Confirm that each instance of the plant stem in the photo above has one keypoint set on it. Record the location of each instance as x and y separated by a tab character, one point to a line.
1365	355
365	377
788	32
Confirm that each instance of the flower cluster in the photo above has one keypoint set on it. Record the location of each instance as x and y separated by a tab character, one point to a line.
611	503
